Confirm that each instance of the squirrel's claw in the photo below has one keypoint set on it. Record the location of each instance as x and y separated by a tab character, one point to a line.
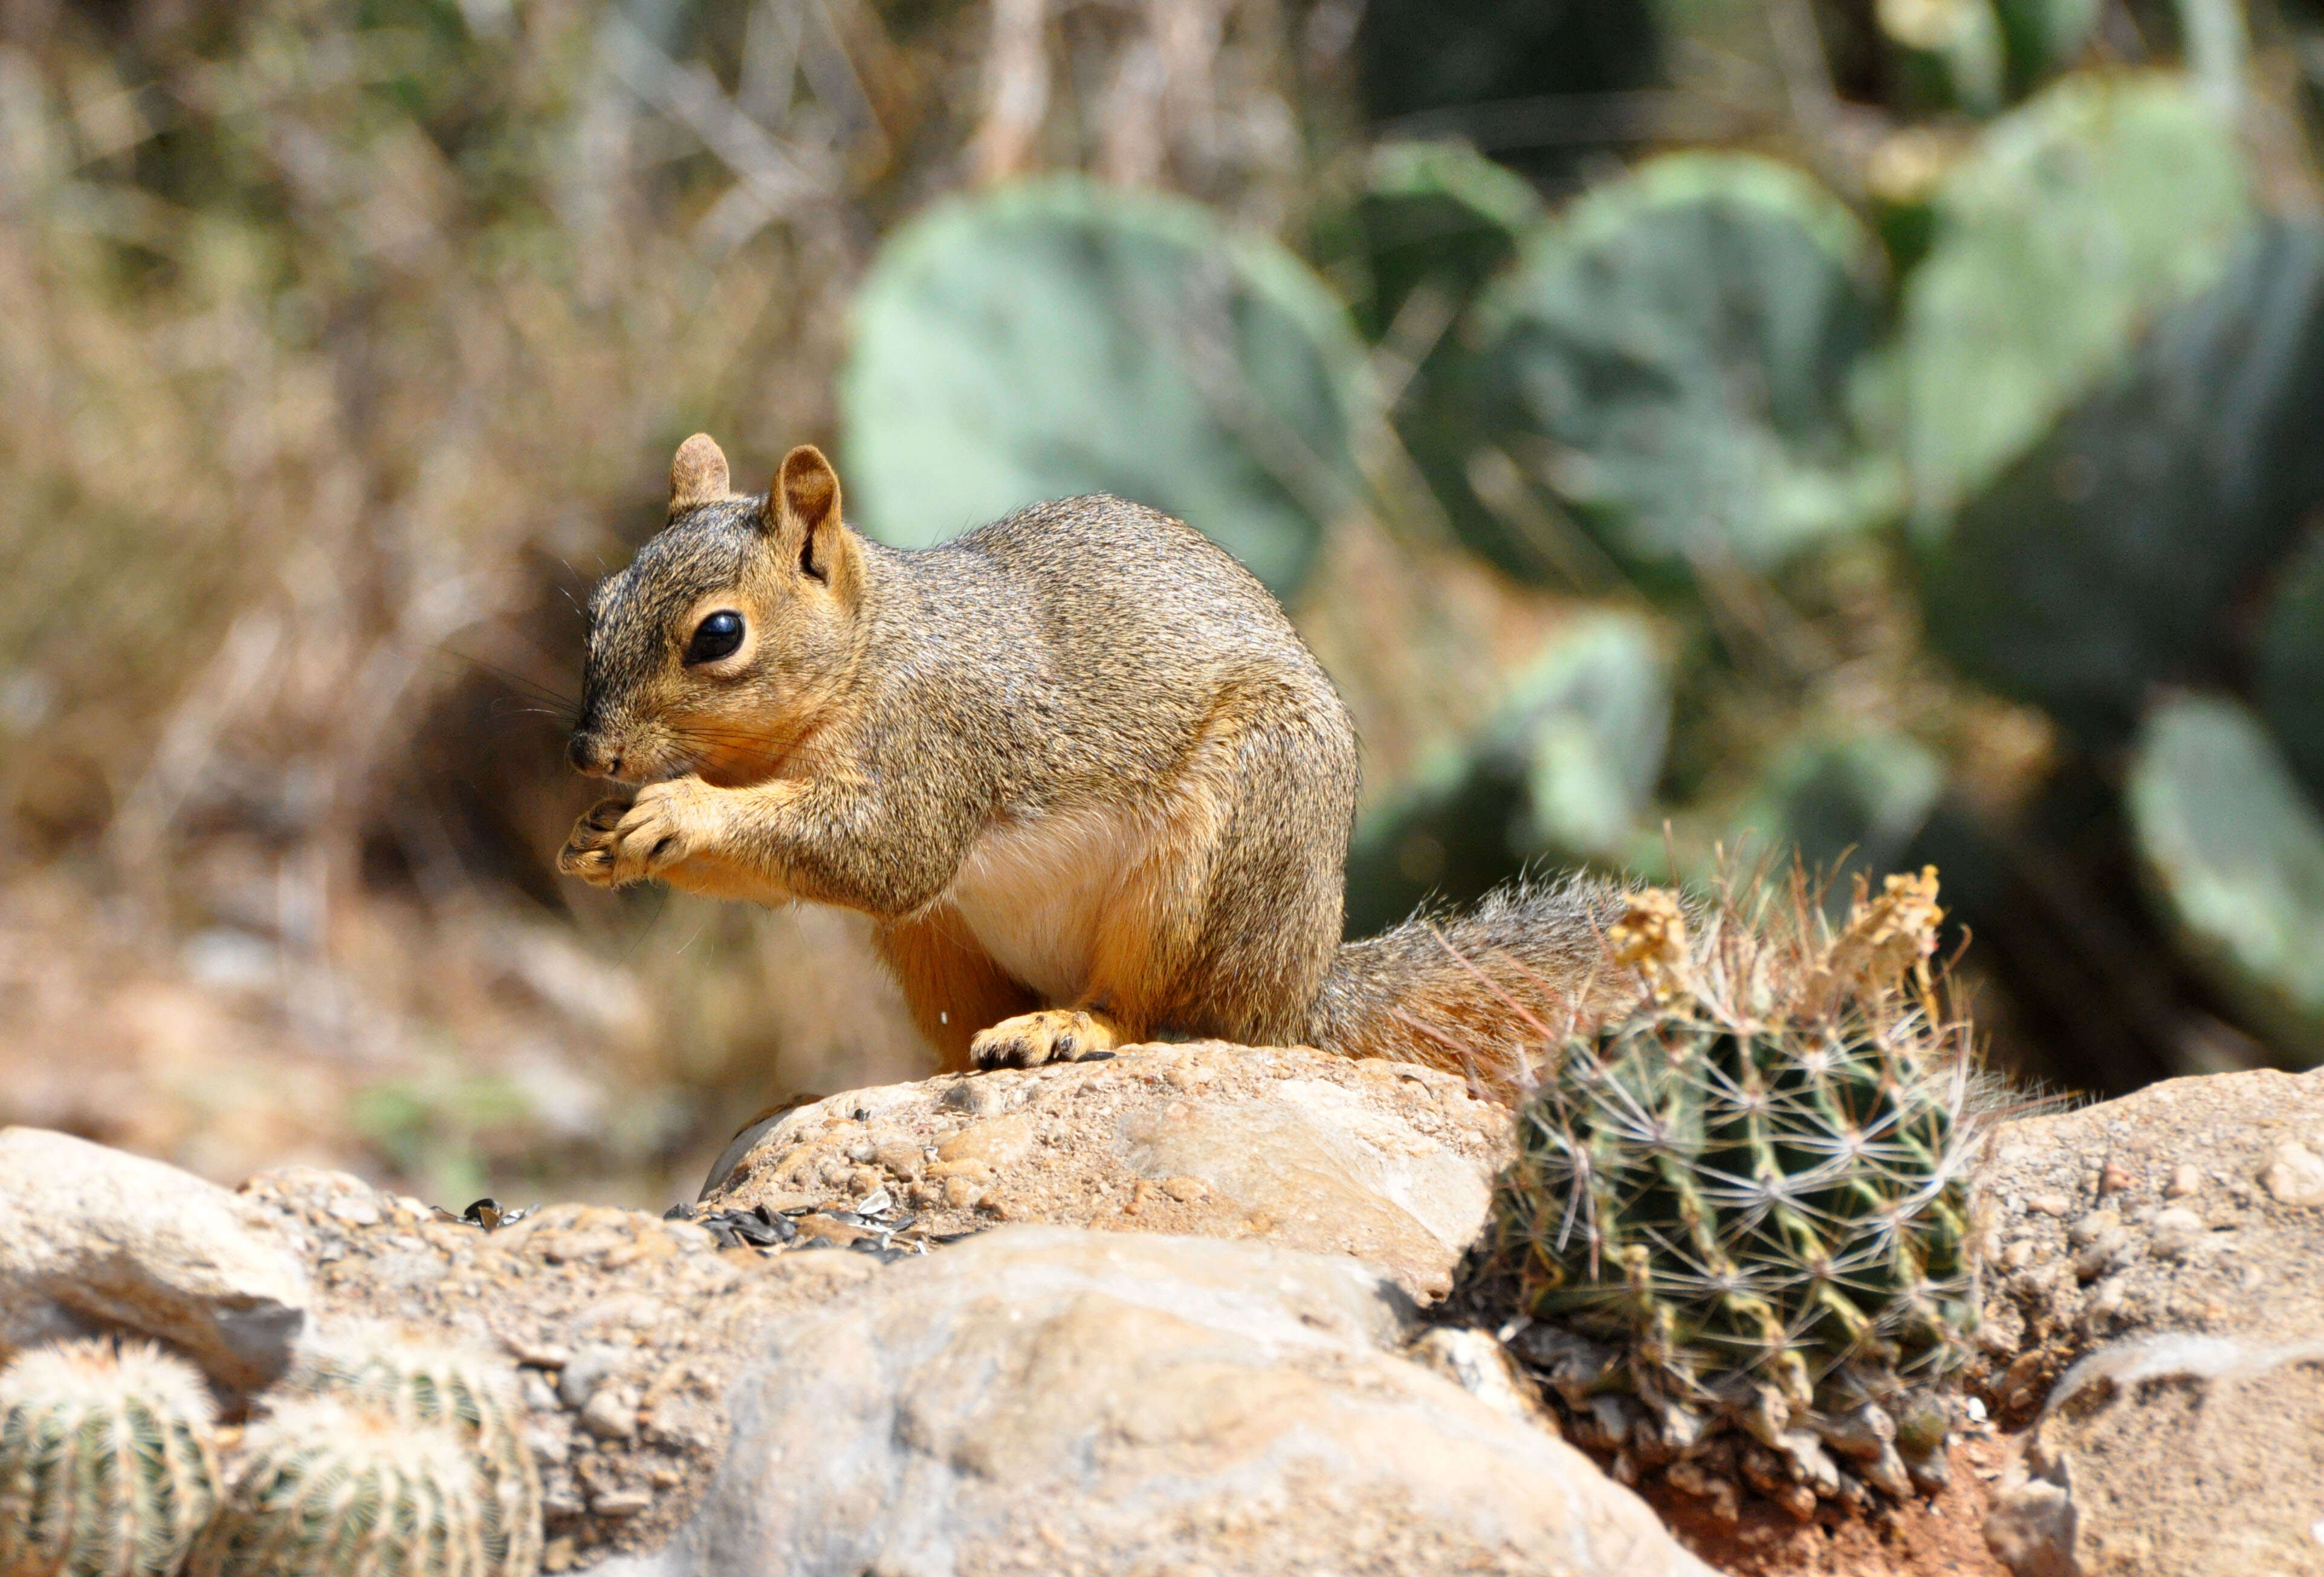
620	843
588	853
1030	1040
662	827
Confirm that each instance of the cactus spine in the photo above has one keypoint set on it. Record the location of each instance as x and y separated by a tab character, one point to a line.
465	1393
1742	1211
327	1489
106	1463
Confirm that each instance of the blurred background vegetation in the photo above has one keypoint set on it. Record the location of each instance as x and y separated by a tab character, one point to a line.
1890	429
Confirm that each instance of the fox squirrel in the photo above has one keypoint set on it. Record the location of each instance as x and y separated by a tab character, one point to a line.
1076	766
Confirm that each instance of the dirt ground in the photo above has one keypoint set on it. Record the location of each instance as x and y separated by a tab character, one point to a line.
1941	1537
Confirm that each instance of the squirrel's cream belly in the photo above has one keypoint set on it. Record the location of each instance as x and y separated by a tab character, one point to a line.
1032	892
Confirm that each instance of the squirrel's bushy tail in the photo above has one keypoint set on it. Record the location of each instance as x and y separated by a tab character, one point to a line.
1483	991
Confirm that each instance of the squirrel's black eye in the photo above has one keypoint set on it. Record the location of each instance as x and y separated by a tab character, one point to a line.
715	637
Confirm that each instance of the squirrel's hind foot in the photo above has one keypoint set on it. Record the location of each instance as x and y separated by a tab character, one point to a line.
1052	1034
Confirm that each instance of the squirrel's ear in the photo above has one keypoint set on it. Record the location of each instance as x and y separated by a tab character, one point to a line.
805	490
698	473
803	510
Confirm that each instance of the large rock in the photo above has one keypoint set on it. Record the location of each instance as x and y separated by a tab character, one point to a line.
625	1330
2157	1310
2195	1206
2173	1456
1059	1400
93	1239
1385	1161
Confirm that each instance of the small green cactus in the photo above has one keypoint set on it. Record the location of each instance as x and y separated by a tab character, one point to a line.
106	1463
326	1488
1744	1207
420	1385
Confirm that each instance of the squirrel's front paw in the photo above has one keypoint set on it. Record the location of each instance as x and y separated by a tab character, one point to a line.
588	853
668	822
1030	1040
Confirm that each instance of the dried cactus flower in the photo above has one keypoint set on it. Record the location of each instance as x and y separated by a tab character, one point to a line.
329	1488
1886	937
471	1394
106	1463
1651	938
1739	1218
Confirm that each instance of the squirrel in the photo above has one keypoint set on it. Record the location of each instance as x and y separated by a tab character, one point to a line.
1076	765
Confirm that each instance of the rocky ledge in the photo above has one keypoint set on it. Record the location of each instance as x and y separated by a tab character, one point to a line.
1166	1312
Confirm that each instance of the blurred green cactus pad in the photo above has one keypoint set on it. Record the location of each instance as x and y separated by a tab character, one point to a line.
2291	667
1056	336
1566	766
1438	215
2044	35
2233	849
1845	803
2079	217
2109	559
1680	361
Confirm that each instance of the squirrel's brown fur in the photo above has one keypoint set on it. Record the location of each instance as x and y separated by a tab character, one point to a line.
1075	764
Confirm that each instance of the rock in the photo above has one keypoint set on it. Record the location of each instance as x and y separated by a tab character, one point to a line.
1477	1363
1042	1397
2208	1227
579	1381
2175	1233
2185	1455
2169	1346
629	1327
93	1238
611	1414
2294	1175
1382	1160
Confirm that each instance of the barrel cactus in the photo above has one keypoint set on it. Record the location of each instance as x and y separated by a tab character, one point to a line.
1737	1229
329	1488
473	1396
106	1463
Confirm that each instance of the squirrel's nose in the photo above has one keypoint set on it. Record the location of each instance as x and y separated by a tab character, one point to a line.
587	756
